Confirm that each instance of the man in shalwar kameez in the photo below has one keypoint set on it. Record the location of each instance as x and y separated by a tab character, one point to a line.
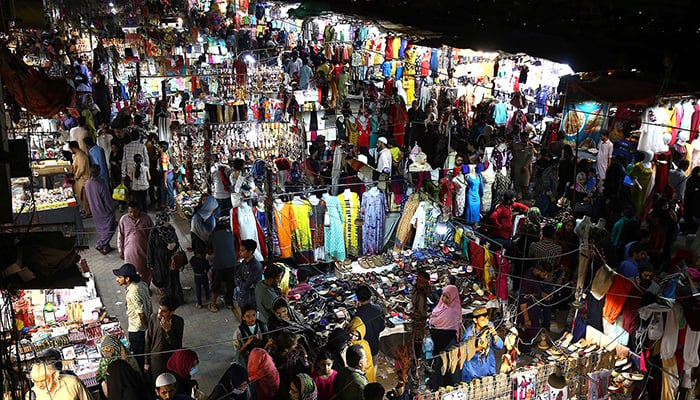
132	240
102	208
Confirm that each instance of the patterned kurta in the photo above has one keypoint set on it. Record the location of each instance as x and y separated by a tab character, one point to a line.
403	232
303	249
351	210
500	184
333	234
373	210
432	239
318	212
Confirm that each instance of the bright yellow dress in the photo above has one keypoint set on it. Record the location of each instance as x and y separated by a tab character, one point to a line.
302	234
351	210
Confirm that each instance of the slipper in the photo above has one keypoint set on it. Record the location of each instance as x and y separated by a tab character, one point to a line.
213	308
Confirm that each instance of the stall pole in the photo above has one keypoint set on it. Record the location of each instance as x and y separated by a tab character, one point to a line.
5	187
207	152
269	210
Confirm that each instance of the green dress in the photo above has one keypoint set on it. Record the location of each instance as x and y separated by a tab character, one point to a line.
643	176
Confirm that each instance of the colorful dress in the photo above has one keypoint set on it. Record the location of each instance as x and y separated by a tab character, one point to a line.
286	224
487	176
475	190
374	210
316	218
350	205
333	232
432	214
643	176
303	250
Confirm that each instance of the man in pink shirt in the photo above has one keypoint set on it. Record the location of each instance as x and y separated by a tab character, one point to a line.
303	285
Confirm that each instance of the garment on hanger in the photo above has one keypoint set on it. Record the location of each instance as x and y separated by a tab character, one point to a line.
403	231
248	227
333	231
637	194
418	222
663	161
501	184
615	298
350	204
475	190
654	125
488	176
286	224
373	211
460	194
316	222
303	249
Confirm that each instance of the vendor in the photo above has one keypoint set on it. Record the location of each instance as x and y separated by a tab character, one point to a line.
482	339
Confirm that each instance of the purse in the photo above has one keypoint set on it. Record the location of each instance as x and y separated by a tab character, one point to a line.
178	260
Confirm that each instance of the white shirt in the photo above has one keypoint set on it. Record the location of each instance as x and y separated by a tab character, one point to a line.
385	161
219	191
605	151
78	134
418	221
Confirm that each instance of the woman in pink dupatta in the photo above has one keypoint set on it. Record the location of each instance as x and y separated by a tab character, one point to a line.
445	323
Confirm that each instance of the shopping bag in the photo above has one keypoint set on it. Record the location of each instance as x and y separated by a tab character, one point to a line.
120	193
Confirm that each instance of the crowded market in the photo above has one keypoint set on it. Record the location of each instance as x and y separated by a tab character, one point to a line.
360	215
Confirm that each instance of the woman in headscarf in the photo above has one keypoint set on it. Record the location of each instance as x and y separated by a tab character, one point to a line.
568	240
529	232
303	387
203	223
162	244
184	363
357	331
263	373
123	382
291	359
233	385
285	317
113	349
337	343
445	322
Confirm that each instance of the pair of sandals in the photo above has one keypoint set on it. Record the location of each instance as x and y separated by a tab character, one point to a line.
375	261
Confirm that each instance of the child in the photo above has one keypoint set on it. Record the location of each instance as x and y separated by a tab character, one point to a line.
140	177
201	267
324	374
250	334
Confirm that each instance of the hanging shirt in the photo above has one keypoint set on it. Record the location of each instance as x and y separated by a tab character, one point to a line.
286	223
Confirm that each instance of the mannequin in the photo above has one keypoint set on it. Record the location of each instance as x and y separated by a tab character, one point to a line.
460	195
487	176
314	200
662	166
641	174
278	203
682	149
296	200
475	189
583	230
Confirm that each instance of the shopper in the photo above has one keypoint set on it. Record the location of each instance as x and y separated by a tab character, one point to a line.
138	309
529	303
357	331
130	149
162	245
234	384
302	284
81	174
323	374
263	373
49	384
112	349
521	164
445	322
200	269
166	169
267	291
248	274
501	219
132	240
337	344
203	223
164	335
485	341
351	380
371	315
140	176
166	390
251	333
79	133
123	382
221	246
303	387
630	266
184	364
102	206
97	157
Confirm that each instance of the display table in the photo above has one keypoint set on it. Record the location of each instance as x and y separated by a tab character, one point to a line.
68	216
50	169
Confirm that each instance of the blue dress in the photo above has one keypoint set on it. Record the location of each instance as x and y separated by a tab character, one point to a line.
333	234
475	189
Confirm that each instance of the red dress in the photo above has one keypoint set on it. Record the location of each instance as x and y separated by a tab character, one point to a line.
364	130
662	166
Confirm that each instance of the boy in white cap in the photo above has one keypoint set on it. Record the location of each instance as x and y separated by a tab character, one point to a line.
165	388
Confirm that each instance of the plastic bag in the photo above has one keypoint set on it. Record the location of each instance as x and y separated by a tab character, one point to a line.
120	193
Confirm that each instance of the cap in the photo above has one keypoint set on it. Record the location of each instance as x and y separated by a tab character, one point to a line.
383	140
165	379
125	270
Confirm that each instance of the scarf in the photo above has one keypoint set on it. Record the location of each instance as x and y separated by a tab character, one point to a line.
448	316
203	221
234	376
263	373
166	233
181	362
307	391
112	350
124	382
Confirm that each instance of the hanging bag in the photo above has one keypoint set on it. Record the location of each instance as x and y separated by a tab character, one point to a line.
178	260
120	193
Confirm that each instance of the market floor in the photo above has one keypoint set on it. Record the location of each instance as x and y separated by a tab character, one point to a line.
209	334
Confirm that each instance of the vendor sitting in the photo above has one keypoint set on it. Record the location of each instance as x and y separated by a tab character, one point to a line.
482	339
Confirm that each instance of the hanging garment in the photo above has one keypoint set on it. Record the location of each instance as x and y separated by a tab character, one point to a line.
475	189
286	225
432	239
460	194
654	122
418	222
350	204
373	213
501	184
643	176
316	220
333	230
615	298
662	166
669	344
363	131
403	231
488	176
248	227
302	244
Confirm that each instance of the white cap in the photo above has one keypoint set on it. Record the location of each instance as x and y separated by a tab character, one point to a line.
383	140
165	379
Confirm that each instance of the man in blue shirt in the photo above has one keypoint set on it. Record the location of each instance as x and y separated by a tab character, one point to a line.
482	340
97	157
630	267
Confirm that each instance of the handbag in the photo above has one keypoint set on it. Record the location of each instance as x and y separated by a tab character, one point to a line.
120	193
178	260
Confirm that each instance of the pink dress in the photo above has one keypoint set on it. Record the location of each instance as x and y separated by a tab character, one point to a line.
324	386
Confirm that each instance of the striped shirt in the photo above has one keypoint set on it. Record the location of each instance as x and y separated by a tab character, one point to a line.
130	149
